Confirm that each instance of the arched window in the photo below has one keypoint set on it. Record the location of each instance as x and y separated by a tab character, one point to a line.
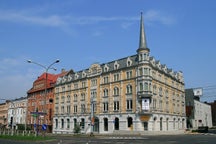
129	89
62	123
105	92
116	91
130	121
105	124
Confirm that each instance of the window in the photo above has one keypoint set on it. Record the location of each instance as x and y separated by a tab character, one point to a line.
129	104
69	87
75	97
68	99
94	82
129	74
105	106
68	123
68	109
129	89
56	123
154	103
62	109
106	92
82	123
106	79
141	86
62	99
145	86
83	84
116	105
82	96
62	123
93	93
145	71
160	104
75	108
160	91
63	89
116	91
116	77
82	108
56	110
140	71
76	86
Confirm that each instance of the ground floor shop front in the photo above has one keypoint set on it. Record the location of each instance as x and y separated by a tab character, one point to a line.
110	123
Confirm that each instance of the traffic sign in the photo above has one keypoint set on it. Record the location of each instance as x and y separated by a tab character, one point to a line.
44	127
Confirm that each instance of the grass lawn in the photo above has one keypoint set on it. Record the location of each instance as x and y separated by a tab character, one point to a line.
25	138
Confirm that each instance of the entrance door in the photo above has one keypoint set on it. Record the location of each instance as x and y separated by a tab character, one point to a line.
96	125
145	124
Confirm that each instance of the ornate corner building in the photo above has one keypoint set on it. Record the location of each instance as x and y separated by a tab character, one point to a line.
135	93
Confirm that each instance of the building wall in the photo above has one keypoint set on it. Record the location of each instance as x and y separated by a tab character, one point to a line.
202	114
17	111
3	114
132	93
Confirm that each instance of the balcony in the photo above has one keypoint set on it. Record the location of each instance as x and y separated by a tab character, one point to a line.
144	94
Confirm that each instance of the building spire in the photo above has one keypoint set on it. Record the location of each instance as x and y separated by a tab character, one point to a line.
142	39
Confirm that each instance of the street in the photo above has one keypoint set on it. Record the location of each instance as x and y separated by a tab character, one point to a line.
163	139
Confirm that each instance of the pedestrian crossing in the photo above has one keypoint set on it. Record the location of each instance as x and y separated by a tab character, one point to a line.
131	138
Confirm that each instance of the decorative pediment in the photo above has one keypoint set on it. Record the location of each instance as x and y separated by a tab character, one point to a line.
95	69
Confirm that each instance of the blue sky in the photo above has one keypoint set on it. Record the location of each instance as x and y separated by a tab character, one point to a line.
181	34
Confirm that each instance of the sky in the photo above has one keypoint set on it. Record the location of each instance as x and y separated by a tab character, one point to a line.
181	34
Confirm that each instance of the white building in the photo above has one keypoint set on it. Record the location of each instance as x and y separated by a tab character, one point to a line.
17	112
202	115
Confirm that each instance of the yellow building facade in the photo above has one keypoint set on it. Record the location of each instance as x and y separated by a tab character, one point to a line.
135	93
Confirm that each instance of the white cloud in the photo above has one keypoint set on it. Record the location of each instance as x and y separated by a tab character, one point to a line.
64	20
52	20
157	16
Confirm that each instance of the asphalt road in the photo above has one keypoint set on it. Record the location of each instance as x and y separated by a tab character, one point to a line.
164	139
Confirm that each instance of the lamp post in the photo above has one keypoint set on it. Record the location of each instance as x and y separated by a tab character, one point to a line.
46	71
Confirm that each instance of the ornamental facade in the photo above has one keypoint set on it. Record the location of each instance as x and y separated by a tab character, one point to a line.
135	93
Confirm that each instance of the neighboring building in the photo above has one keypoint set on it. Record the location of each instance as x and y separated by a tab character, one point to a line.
213	110
198	113
3	115
17	112
40	107
135	93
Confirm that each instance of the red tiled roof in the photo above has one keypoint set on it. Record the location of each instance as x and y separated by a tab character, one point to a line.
51	80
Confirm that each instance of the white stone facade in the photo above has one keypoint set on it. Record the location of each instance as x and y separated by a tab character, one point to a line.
202	115
157	122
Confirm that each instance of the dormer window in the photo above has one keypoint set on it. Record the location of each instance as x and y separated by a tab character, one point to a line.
106	68
76	76
129	62
116	66
83	74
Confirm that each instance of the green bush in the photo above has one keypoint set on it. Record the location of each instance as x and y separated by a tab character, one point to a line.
77	129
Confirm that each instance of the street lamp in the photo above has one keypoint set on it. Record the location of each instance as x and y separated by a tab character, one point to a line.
46	71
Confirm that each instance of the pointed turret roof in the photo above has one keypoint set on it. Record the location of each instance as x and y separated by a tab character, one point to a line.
142	39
